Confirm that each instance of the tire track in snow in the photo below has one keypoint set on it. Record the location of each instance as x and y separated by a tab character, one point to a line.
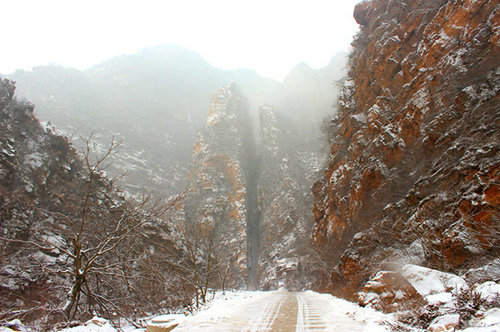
285	318
311	314
282	311
266	317
300	314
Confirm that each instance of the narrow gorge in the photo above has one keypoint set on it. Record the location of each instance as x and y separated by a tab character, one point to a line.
375	179
243	190
243	220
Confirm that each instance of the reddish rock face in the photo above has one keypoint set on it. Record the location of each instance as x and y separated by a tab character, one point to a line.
254	199
216	199
416	157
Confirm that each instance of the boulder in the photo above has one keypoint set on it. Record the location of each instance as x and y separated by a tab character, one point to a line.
430	282
388	291
164	323
445	323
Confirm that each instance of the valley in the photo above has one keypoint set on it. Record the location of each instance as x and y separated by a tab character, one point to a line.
155	189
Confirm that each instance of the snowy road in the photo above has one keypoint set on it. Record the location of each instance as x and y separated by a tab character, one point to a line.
284	311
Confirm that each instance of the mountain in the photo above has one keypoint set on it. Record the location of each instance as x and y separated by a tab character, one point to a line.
413	169
315	90
249	192
235	172
218	196
401	214
155	102
69	240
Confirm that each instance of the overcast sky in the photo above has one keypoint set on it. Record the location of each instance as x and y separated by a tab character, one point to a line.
269	36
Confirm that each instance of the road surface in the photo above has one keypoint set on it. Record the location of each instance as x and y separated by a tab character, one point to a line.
284	311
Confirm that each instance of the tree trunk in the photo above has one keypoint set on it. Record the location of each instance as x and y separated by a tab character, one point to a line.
75	294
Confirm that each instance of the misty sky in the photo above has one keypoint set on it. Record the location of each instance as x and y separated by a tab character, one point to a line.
269	36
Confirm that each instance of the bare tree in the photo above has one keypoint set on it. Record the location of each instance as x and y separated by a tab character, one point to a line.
200	259
98	240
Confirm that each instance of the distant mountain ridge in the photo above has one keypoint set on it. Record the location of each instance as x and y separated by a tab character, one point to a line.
156	101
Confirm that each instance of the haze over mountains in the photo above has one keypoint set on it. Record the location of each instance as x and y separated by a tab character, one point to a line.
234	154
393	201
156	101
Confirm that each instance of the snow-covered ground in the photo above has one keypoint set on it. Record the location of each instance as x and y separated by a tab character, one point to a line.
263	311
284	311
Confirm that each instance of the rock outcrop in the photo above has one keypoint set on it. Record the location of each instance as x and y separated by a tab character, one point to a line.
217	191
40	174
414	168
163	91
387	290
249	190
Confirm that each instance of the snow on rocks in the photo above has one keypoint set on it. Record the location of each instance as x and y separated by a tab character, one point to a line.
429	282
6	329
441	299
490	271
387	291
489	322
445	298
34	160
165	323
13	325
445	323
96	324
490	290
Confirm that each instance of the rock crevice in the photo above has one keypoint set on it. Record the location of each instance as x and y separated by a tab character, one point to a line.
253	190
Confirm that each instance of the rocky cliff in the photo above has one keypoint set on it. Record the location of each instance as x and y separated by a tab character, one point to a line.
414	168
39	173
248	190
55	214
217	197
163	91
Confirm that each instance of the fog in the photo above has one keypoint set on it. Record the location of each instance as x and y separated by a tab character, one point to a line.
157	101
149	75
123	68
270	37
